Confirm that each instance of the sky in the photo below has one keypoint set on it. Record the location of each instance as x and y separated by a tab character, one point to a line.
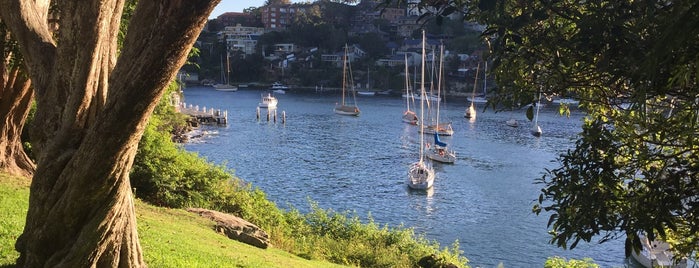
237	6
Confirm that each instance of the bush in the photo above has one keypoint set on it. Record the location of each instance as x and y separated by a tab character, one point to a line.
560	262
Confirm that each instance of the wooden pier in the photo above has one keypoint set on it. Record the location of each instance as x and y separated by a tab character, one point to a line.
205	116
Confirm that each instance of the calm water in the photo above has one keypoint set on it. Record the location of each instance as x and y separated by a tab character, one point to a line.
360	164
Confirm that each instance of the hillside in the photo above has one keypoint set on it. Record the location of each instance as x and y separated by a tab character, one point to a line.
169	237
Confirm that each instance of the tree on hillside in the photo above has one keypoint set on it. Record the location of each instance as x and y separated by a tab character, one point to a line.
93	102
633	66
15	102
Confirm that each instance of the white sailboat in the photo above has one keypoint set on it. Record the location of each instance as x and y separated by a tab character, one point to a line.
421	174
656	253
408	116
483	98
536	129
226	80
471	110
345	107
440	151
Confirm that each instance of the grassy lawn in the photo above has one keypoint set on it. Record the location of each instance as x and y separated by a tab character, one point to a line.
169	237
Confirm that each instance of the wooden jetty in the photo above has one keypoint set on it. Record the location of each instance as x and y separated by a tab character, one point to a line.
203	115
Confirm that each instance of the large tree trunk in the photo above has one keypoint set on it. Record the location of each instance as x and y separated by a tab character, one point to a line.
91	112
15	101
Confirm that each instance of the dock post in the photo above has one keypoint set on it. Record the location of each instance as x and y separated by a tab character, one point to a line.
283	117
257	114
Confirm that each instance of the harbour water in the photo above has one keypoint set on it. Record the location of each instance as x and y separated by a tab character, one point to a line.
360	164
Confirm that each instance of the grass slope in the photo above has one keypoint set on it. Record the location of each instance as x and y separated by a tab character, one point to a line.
169	237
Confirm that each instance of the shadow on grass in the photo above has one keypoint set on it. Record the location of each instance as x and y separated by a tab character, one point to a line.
7	266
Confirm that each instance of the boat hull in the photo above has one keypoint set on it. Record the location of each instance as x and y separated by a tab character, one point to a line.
441	154
229	88
420	176
347	110
410	117
656	254
441	130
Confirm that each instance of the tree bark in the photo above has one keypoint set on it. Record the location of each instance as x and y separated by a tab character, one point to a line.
15	102
92	108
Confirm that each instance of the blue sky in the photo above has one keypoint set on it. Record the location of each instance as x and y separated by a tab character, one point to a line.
237	6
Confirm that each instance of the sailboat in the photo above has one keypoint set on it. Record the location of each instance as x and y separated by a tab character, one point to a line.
345	107
421	174
536	129
408	116
471	110
443	129
440	151
368	91
482	99
226	85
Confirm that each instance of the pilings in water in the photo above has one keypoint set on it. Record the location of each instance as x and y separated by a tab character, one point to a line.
271	115
203	115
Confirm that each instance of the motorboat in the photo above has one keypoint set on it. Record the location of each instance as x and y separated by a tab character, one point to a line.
268	101
278	85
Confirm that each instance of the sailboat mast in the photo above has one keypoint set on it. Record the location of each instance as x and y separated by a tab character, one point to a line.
407	84
485	81
475	83
439	82
538	105
422	98
228	68
344	74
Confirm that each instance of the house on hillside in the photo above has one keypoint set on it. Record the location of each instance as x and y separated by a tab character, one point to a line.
240	38
354	53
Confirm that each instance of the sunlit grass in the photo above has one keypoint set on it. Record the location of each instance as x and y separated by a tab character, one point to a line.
169	237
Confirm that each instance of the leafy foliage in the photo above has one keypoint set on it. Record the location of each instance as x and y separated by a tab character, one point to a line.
559	262
634	66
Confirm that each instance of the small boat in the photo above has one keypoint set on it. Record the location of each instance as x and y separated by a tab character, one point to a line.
512	123
366	93
278	85
384	92
421	174
345	107
268	101
656	253
566	101
279	91
225	87
426	97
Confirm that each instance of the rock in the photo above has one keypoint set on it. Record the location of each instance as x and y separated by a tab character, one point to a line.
235	228
431	261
